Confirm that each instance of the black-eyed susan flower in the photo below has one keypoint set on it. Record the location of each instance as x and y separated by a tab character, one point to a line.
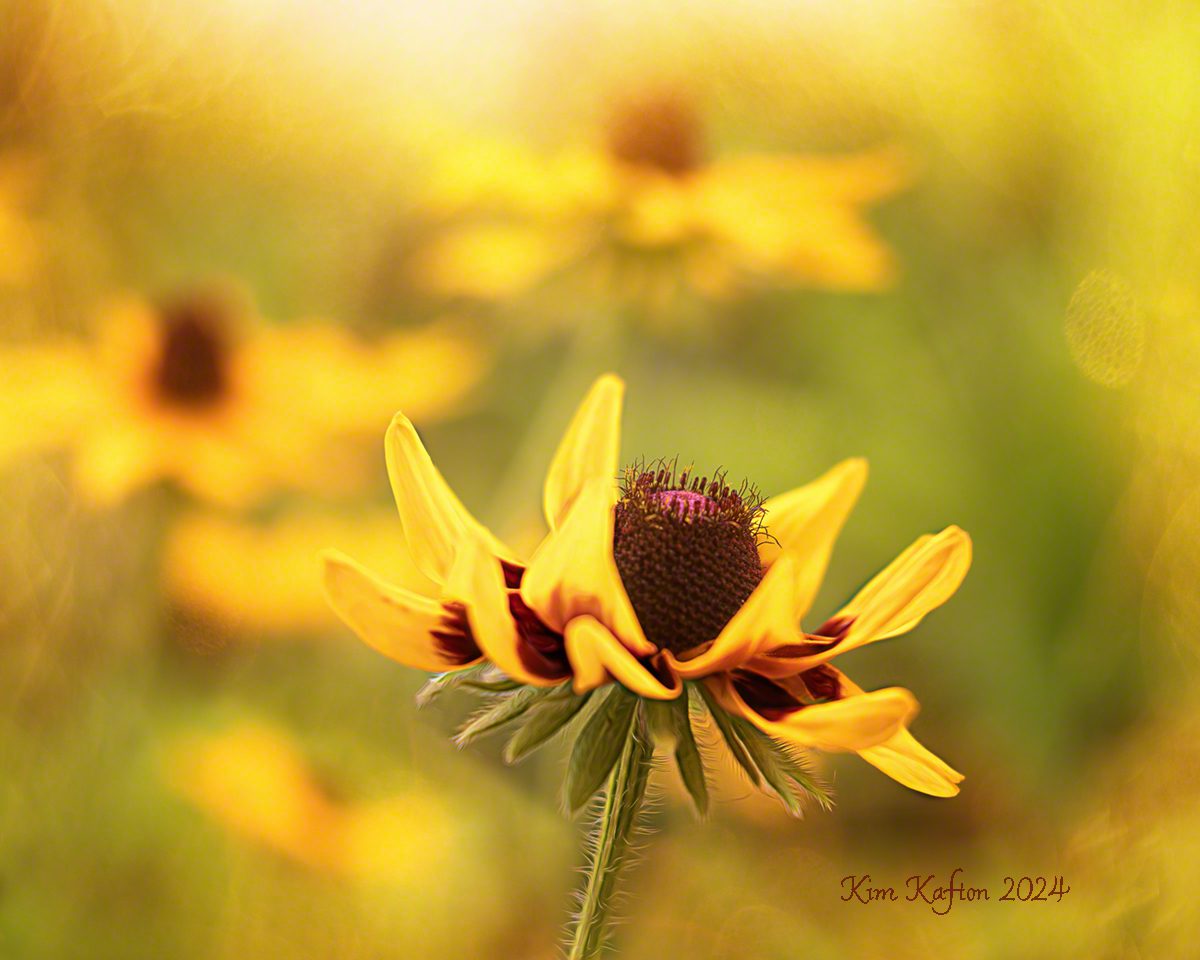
669	592
192	390
655	582
651	190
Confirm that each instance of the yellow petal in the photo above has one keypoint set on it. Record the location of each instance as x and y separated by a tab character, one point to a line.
435	521
589	450
396	622
477	582
573	573
806	522
47	396
113	460
921	579
597	657
855	722
799	218
492	261
766	618
906	761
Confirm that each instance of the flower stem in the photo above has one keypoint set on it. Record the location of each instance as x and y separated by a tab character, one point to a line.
623	796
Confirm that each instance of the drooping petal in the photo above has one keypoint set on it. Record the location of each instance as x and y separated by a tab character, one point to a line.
806	521
597	657
589	449
477	581
766	617
435	521
849	723
417	631
906	761
573	573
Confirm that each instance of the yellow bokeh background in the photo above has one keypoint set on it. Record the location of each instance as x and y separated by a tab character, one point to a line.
959	239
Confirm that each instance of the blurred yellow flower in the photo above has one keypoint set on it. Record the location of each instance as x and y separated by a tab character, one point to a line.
663	580
648	192
254	781
191	391
21	249
264	579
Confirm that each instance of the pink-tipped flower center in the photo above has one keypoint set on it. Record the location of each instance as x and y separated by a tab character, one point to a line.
685	502
687	551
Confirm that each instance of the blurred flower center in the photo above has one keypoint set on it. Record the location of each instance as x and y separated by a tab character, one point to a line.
687	552
661	133
193	362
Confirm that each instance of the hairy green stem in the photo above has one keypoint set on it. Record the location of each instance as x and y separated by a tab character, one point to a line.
623	796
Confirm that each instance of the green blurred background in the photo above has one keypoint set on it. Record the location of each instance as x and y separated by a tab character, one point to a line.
177	749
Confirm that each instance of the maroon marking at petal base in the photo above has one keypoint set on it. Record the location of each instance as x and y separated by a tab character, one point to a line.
823	683
827	636
514	573
790	651
834	628
764	696
455	641
541	649
656	666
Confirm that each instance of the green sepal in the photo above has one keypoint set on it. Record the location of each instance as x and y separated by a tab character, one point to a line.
482	677
598	746
729	734
769	761
670	719
544	721
501	711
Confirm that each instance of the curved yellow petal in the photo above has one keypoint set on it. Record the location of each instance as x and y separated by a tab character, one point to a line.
589	449
921	579
765	618
852	723
907	762
806	522
398	623
597	657
573	573
477	581
435	521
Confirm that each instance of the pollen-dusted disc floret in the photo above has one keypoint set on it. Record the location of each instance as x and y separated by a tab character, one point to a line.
687	551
